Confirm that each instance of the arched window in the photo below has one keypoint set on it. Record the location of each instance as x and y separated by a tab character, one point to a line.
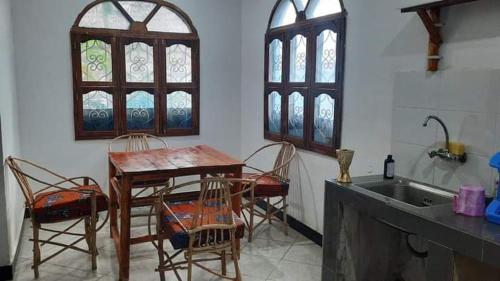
135	69
304	73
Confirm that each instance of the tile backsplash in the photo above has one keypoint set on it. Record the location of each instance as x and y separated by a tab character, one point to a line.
468	101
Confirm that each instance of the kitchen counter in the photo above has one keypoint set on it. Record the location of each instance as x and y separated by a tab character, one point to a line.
466	236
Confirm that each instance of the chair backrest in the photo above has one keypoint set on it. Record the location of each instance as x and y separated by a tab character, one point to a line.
30	175
213	208
283	160
21	178
212	222
136	142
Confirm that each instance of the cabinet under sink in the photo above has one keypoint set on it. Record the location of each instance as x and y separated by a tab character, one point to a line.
368	225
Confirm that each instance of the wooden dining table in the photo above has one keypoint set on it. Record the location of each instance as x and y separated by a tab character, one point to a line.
158	165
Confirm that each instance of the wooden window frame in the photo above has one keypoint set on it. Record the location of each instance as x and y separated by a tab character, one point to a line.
119	87
310	28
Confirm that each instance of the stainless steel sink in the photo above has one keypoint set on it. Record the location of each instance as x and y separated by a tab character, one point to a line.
412	193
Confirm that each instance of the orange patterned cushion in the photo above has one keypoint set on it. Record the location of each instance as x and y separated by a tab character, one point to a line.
61	205
268	186
184	211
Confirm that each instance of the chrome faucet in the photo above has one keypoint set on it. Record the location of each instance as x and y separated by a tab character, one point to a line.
444	153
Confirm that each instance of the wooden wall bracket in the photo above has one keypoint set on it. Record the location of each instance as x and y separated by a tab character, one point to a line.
431	19
430	14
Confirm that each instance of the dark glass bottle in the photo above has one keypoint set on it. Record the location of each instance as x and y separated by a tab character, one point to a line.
389	167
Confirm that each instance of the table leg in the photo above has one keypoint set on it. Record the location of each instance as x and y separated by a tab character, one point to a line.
112	208
236	200
125	228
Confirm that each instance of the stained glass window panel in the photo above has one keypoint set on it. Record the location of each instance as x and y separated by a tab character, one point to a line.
275	60
274	112
301	4
139	62
179	110
285	14
138	10
97	111
166	20
140	111
319	8
96	61
324	112
326	57
298	58
179	66
296	115
105	15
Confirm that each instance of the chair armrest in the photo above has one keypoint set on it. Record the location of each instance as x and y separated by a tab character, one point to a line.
249	186
58	186
255	169
261	149
268	173
274	170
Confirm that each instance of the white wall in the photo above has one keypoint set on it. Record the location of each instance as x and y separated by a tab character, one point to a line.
11	201
465	94
4	241
43	61
468	101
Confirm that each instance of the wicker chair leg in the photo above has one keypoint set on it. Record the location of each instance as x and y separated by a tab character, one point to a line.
190	264
87	233
285	217
250	227
235	260
268	210
162	259
93	231
89	238
223	263
36	250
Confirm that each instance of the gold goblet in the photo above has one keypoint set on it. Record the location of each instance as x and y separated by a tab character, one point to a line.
344	156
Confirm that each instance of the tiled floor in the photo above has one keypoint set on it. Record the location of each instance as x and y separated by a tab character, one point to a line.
271	256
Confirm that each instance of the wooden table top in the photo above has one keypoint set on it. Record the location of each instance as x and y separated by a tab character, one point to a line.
162	160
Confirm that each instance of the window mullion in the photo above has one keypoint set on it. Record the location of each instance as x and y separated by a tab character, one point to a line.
162	86
117	85
285	79
311	64
339	83
157	85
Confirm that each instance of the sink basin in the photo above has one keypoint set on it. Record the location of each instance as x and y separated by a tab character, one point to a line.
415	194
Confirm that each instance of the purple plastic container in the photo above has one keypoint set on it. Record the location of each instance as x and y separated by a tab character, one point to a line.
470	201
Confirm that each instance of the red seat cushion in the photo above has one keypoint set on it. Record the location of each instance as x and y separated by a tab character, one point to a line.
61	205
268	186
184	211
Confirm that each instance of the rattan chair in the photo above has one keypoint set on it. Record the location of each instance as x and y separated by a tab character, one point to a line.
273	183
205	229
140	142
59	199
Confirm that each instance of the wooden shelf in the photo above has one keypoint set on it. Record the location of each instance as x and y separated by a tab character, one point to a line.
430	14
434	5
